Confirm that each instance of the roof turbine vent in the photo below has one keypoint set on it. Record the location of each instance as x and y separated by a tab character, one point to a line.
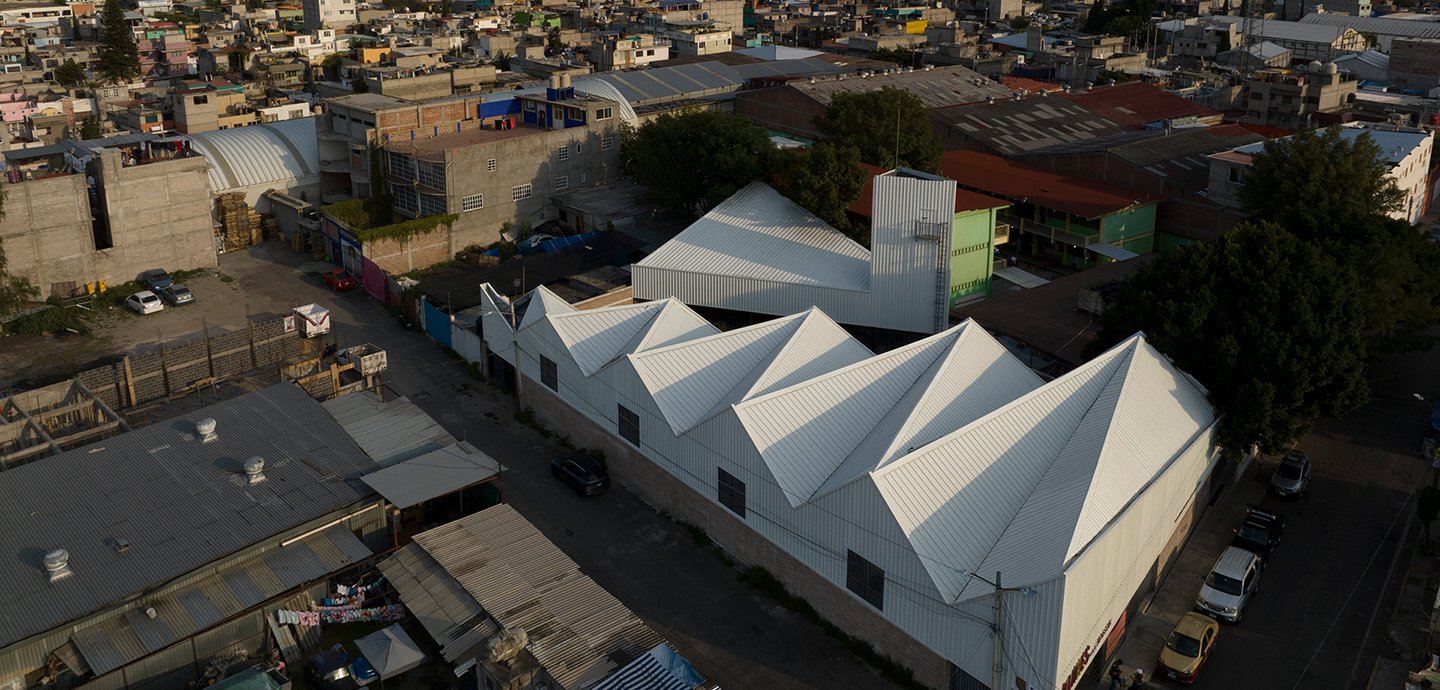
254	468
57	564
206	429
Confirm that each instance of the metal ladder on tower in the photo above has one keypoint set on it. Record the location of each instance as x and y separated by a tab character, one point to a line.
930	231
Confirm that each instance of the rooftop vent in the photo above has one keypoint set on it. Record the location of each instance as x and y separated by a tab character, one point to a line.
206	429
253	470
57	564
122	544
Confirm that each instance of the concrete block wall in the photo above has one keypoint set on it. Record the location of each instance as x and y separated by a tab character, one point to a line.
101	381
231	354
46	232
421	251
1415	63
664	492
159	217
147	376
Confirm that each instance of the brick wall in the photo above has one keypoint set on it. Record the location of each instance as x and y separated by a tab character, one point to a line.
397	257
783	109
664	492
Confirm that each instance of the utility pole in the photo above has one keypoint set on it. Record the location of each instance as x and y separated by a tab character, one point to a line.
997	666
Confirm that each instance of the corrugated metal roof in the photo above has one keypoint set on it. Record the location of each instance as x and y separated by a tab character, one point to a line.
759	234
773	52
1322	32
180	503
1018	125
542	301
660	84
1027	487
1042	187
578	632
1385	29
598	337
431	475
1372	58
699	379
119	640
1134	104
390	432
270	153
438	600
939	87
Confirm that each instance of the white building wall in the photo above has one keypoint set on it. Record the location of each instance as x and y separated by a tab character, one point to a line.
1101	580
1410	176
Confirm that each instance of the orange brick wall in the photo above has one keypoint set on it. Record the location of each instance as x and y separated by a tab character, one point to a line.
422	251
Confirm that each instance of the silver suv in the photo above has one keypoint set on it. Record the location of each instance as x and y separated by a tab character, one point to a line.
1234	579
1292	477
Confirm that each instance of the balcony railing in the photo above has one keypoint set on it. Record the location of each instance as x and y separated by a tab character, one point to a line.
1002	233
1043	230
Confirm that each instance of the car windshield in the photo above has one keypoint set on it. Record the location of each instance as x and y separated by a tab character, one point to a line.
592	477
1289	471
1183	644
1254	534
341	275
1223	583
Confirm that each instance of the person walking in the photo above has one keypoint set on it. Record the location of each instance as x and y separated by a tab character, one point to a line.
1115	674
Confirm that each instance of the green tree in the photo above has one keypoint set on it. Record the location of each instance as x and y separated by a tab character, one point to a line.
1018	24
119	59
70	73
502	61
331	64
90	127
1268	323
895	55
553	42
15	291
825	180
696	159
880	123
1335	193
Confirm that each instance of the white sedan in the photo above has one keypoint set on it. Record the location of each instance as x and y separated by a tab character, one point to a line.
145	302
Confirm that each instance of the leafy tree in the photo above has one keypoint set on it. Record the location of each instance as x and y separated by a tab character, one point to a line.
502	61
895	55
825	180
119	59
1018	24
70	73
90	127
332	63
15	291
880	123
1096	18
553	42
1269	324
698	158
1335	193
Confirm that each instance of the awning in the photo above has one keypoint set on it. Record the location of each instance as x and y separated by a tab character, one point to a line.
390	651
1021	277
432	475
1111	251
659	669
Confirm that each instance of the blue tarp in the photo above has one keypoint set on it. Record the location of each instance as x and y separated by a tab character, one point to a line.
437	324
563	242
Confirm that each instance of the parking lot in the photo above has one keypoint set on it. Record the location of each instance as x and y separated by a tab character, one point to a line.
1325	599
729	631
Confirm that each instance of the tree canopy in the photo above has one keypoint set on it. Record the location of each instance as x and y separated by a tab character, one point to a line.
15	291
824	180
70	73
1269	324
696	159
878	123
1335	193
119	58
90	127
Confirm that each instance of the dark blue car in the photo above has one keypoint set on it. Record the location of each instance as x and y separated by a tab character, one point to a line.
157	280
583	473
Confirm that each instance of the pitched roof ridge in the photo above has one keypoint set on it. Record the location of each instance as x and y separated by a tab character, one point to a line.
716	337
807	320
755	188
557	319
944	359
758	371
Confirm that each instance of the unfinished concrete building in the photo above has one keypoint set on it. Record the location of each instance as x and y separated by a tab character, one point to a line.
51	420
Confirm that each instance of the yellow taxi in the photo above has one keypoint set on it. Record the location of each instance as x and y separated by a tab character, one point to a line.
1187	647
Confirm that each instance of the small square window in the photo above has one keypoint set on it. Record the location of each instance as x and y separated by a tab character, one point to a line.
564	153
629	425
549	375
562	182
732	493
865	579
474	202
490	165
607	143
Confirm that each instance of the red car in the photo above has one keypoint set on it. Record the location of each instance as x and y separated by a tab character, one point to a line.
339	279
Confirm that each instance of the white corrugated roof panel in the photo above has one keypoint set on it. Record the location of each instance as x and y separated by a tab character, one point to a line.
542	302
598	336
271	153
759	234
675	324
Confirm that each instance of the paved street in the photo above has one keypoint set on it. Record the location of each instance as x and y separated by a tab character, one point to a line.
725	628
1326	585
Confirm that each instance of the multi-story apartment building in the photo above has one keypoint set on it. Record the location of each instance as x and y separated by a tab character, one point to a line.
698	37
559	140
326	14
730	13
612	50
1288	99
165	53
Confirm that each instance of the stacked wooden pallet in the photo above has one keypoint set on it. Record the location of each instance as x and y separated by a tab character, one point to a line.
239	223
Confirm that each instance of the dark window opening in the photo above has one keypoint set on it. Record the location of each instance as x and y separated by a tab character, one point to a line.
549	375
629	425
732	493
865	579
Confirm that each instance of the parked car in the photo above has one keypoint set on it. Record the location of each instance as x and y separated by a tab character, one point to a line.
156	279
327	671
1230	584
582	472
1260	533
1292	477
339	280
144	302
177	294
1187	647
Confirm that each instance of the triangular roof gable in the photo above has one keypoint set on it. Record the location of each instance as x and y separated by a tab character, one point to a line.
543	302
676	323
954	497
596	337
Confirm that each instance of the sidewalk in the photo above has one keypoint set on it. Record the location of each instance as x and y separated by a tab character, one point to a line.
1176	596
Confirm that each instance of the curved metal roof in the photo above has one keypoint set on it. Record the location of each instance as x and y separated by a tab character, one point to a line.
261	154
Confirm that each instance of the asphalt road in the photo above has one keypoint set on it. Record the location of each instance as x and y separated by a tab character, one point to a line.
1330	590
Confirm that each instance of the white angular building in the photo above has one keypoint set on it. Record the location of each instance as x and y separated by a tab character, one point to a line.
870	484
